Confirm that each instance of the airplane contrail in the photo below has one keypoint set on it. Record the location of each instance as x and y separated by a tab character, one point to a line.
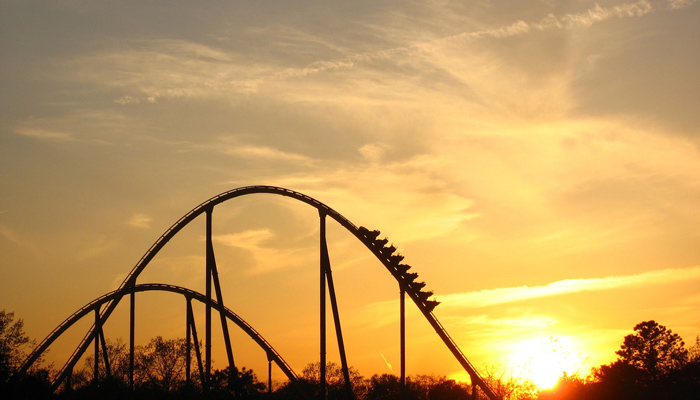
387	363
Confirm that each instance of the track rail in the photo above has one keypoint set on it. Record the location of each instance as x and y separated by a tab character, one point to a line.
96	304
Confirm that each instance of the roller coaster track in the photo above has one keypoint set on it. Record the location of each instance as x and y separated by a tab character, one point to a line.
378	247
272	354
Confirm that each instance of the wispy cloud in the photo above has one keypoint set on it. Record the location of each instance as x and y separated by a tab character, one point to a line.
566	21
263	153
491	297
46	134
373	152
125	100
380	314
435	209
10	235
525	322
96	247
140	221
595	15
250	239
266	257
678	4
178	68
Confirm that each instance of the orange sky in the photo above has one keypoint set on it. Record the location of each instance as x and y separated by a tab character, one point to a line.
537	163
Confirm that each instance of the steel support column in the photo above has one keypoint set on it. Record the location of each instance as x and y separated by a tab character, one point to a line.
322	296
195	340
269	373
97	347
402	302
207	322
326	264
132	338
188	344
220	300
105	355
69	381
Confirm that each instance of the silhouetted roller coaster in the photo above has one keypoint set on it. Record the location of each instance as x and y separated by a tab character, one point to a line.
102	307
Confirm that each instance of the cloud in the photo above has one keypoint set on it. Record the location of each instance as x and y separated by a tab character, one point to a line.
266	258
392	190
598	14
526	322
140	221
584	19
679	4
181	270
592	184
491	297
10	235
180	68
373	152
571	20
250	239
383	313
264	153
46	134
125	100
149	70
95	247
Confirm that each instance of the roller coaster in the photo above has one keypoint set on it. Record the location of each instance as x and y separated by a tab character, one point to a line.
105	305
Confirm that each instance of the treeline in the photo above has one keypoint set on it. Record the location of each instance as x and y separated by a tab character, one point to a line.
653	363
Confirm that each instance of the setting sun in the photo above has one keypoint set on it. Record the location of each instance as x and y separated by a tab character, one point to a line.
544	360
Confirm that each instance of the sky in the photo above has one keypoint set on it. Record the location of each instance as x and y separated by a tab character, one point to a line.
536	162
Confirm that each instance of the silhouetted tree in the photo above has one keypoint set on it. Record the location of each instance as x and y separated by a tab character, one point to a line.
14	342
384	387
653	349
302	389
686	381
418	387
230	383
449	389
335	382
694	351
118	357
652	364
619	380
507	387
161	364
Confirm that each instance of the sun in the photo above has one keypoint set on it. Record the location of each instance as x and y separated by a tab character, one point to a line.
544	360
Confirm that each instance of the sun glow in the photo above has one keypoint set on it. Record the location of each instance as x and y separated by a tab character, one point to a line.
544	360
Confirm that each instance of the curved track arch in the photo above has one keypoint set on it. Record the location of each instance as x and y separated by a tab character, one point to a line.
369	238
96	304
